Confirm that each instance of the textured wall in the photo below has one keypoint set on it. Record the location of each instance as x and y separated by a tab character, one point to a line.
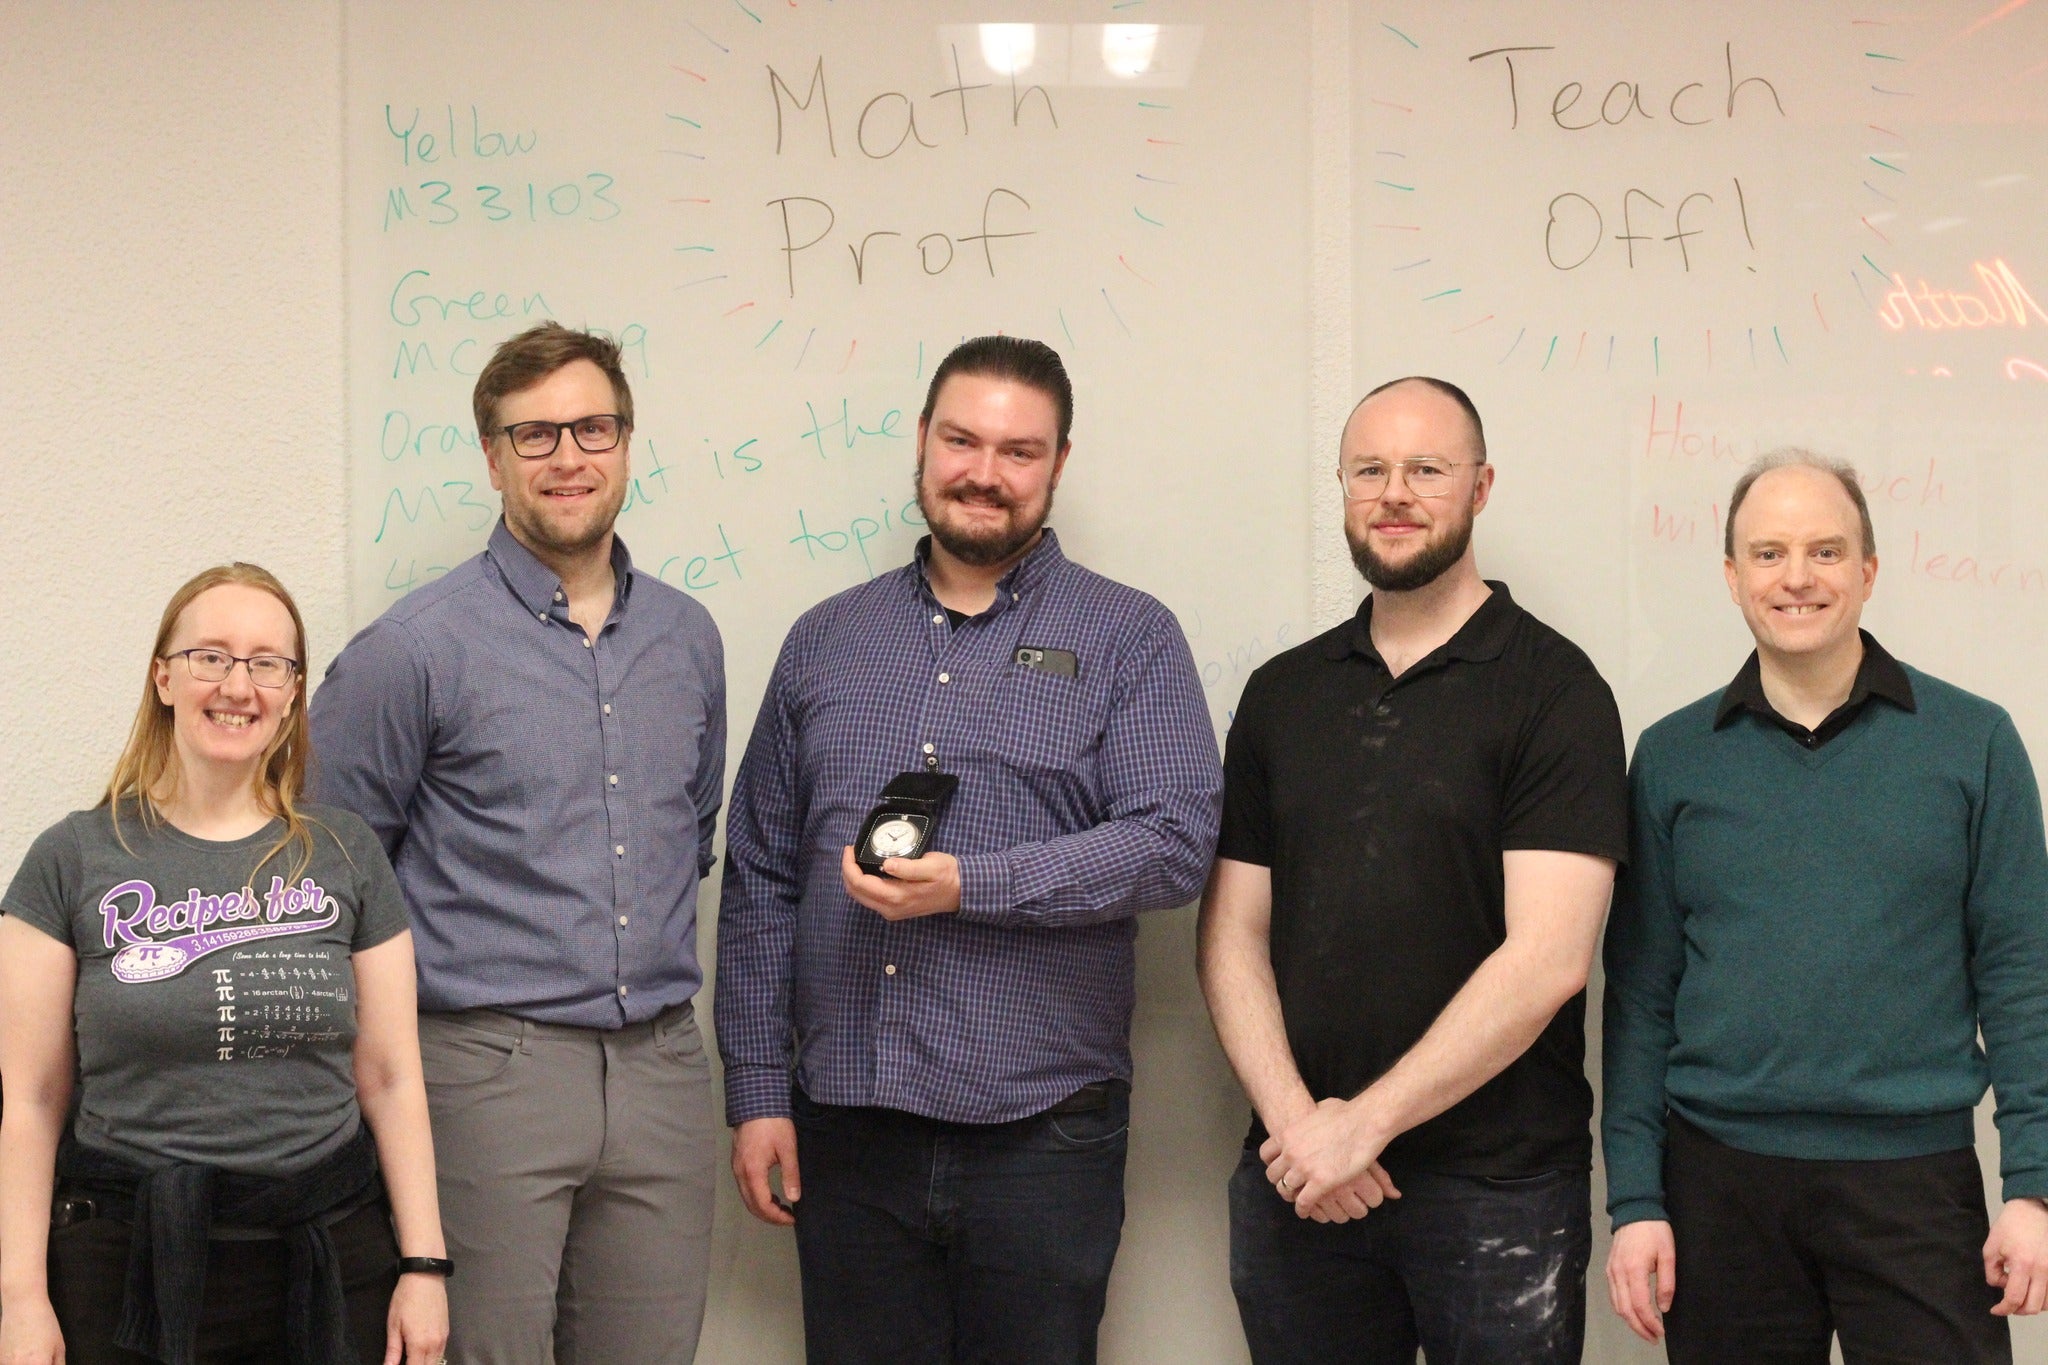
170	266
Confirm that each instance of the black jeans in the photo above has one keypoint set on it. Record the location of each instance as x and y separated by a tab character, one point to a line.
1776	1255
923	1241
1474	1271
242	1322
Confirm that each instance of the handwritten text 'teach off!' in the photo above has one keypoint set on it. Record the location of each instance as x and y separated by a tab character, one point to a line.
888	126
1658	222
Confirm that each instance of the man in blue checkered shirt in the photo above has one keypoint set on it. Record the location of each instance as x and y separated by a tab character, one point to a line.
938	1058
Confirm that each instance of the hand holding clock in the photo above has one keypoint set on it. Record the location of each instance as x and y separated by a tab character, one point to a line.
929	885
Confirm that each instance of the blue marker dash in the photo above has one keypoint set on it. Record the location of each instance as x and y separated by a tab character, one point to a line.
1888	165
1441	294
1610	350
805	351
1406	189
1064	328
1857	280
1781	346
1142	214
749	13
920	361
1402	36
1156	179
1882	91
692	122
677	151
1549	353
769	333
1412	264
1511	346
1879	193
692	284
1113	313
709	39
1399	156
1752	348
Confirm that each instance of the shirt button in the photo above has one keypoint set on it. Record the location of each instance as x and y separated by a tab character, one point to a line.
586	642
929	749
558	597
613	779
622	992
938	618
540	616
1383	709
607	708
619	849
890	969
622	921
1013	597
945	677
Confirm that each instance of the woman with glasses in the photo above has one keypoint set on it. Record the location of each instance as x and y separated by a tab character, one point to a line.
208	1043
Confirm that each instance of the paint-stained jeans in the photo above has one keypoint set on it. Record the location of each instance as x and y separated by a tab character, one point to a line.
1475	1272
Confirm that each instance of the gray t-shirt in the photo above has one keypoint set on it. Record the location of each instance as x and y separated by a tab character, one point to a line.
215	1008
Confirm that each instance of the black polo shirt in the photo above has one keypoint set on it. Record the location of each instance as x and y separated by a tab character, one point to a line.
1382	806
1878	675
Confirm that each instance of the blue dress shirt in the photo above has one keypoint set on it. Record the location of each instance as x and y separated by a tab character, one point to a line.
547	800
1082	801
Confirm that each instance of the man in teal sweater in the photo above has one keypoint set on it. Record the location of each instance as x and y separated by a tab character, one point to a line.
1837	877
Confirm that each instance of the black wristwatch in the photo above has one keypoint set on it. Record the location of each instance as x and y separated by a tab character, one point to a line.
426	1265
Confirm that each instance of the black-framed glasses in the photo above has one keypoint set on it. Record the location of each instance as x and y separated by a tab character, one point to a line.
214	665
594	435
1427	476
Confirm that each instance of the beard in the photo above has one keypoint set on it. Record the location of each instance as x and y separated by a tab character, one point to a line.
1426	566
971	545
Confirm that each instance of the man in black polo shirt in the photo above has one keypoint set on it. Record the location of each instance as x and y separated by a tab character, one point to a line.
1423	811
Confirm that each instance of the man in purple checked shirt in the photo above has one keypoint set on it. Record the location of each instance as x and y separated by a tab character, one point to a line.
938	1059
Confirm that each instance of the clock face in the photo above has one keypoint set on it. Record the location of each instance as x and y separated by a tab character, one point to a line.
894	838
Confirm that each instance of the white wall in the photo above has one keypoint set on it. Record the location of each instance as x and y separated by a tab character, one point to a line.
172	360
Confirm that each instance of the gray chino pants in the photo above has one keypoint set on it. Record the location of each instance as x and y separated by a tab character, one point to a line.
576	1178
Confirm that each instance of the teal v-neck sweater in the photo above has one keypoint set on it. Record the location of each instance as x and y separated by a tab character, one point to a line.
1806	942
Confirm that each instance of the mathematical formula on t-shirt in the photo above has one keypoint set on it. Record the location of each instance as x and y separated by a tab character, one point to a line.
269	1002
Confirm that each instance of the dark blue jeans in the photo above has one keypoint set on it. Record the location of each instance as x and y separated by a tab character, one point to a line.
1475	1272
923	1241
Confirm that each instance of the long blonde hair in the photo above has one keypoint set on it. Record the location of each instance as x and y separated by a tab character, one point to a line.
149	761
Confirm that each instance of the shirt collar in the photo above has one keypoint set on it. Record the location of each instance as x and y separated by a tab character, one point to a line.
535	584
1024	576
1879	675
1483	636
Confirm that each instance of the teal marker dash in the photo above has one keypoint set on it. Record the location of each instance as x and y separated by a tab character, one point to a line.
1884	56
1657	355
1113	313
1064	328
769	333
1406	189
1781	346
695	248
1126	4
1874	266
1142	214
1402	36
1153	104
692	122
1888	165
1549	353
1442	293
749	13
920	361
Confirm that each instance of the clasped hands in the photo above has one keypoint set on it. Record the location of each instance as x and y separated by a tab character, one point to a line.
1325	1161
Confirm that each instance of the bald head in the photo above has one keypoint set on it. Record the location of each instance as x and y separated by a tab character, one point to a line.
1442	403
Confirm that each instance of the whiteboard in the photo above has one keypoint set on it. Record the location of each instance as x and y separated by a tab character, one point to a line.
787	214
1653	249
